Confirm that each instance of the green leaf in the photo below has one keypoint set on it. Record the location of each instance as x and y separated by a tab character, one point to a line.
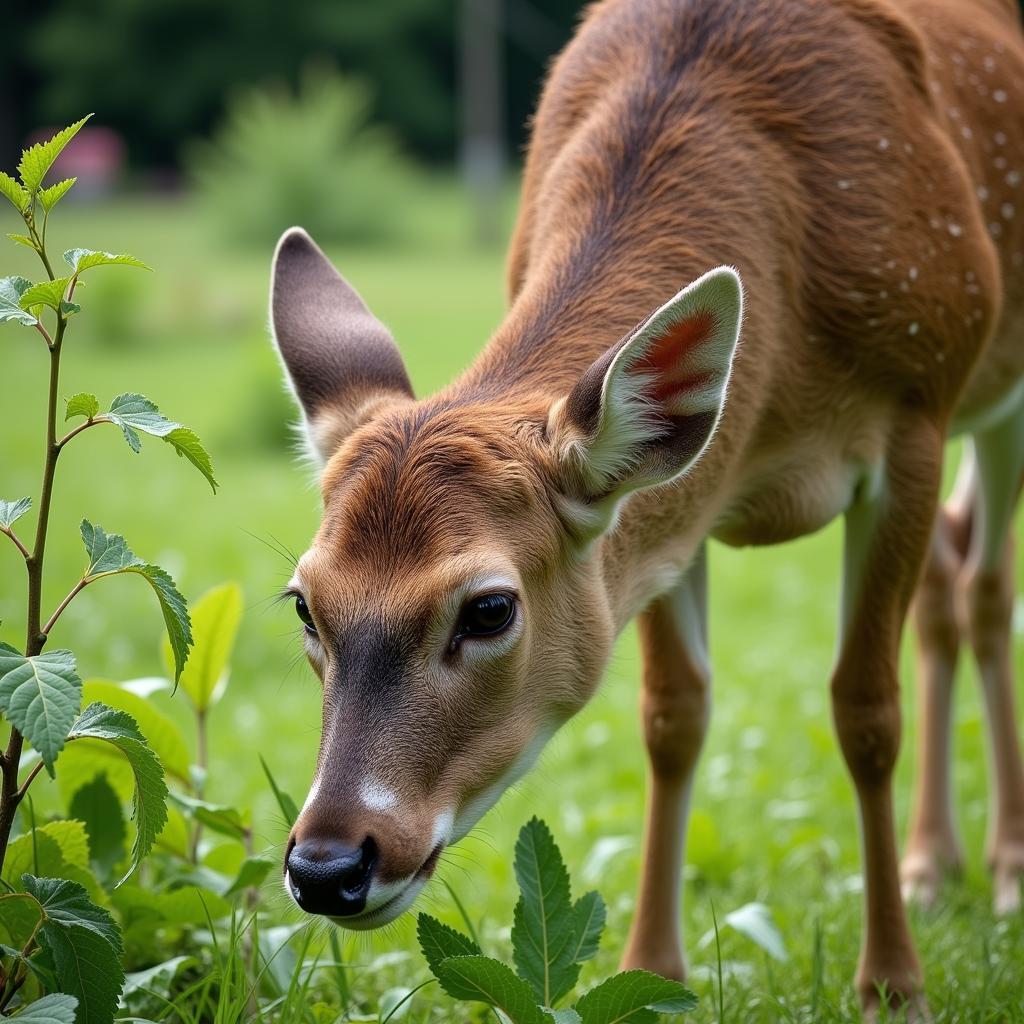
11	291
97	806
542	930
289	808
588	923
150	802
133	412
51	196
634	996
19	915
80	260
221	818
22	240
37	159
566	1016
46	293
438	942
138	985
56	1008
40	697
754	920
12	511
16	193
215	618
251	874
82	404
110	554
67	905
483	980
162	733
87	967
58	849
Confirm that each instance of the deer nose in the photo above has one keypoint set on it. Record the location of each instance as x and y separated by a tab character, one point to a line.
327	877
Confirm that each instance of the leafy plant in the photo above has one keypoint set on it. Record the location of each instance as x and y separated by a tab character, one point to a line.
58	936
551	938
278	155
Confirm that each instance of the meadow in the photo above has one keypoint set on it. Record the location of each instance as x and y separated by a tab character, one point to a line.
774	817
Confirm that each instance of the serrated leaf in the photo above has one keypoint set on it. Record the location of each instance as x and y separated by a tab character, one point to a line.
133	412
162	733
588	917
19	915
483	980
149	807
215	618
80	260
754	920
12	511
110	554
82	404
17	194
56	1008
11	291
187	444
87	967
568	1015
97	806
67	904
37	160
51	196
46	293
542	928
22	240
634	996
40	697
438	941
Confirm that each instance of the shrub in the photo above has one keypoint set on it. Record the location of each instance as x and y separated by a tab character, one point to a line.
310	158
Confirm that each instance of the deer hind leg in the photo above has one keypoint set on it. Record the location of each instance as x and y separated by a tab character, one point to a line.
988	590
675	711
933	846
887	536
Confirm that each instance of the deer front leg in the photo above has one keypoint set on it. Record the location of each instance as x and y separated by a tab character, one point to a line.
675	709
886	539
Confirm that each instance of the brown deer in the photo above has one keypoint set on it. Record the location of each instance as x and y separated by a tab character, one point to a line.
859	163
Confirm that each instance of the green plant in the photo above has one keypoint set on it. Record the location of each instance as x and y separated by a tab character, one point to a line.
311	158
58	937
551	938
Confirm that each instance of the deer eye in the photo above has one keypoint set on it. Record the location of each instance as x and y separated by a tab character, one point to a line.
302	610
484	616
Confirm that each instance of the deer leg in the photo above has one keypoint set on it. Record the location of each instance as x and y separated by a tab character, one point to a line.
989	597
933	846
887	532
675	707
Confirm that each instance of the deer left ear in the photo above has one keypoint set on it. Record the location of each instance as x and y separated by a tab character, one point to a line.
645	411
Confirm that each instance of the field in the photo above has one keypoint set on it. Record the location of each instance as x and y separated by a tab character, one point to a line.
774	817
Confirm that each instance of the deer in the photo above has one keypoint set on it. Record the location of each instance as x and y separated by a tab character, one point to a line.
769	259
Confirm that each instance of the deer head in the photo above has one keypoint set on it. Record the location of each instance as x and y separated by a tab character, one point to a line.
453	600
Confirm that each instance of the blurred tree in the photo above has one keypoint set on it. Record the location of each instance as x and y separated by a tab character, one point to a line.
160	71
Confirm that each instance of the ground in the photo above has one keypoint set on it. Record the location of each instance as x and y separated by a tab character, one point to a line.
774	817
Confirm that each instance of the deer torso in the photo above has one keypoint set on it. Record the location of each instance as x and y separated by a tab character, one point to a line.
858	161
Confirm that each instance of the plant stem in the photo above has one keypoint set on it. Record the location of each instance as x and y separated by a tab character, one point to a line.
10	792
17	543
75	590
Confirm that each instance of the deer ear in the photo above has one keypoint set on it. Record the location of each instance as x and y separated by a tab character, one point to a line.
645	411
340	359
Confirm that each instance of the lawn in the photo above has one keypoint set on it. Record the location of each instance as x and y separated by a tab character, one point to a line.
774	818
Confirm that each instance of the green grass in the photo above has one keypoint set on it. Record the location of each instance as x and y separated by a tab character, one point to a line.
774	817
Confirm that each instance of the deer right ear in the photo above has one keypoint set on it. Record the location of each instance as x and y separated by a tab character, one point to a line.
340	359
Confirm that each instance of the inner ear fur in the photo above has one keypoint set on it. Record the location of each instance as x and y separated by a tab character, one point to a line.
644	411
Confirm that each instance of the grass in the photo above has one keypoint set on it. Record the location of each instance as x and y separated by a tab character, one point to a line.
774	816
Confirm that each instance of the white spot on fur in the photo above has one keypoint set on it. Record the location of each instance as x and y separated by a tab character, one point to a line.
376	797
1007	211
883	144
1013	179
913	328
982	193
912	273
954	229
999	96
999	138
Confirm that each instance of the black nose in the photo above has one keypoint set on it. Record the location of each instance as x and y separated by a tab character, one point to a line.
327	877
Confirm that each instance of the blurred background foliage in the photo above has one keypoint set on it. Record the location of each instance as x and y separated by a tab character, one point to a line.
163	71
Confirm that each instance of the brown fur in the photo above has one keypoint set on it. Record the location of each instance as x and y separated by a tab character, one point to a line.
857	161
